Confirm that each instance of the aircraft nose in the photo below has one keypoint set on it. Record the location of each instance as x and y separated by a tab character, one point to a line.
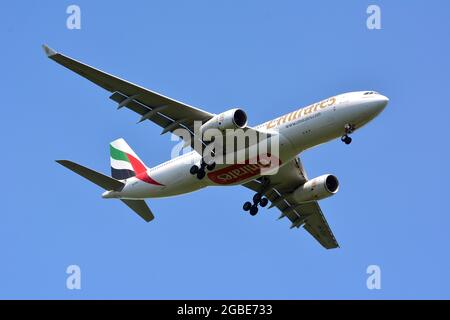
379	103
383	100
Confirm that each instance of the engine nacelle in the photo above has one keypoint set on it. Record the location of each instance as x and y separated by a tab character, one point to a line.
231	119
317	189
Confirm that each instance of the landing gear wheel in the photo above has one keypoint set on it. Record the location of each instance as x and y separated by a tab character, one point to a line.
201	174
348	129
211	166
263	202
346	139
194	169
247	206
253	210
257	198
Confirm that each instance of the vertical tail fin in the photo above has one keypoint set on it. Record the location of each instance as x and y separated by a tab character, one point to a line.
124	162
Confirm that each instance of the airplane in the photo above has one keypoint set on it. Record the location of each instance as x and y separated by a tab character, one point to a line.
289	189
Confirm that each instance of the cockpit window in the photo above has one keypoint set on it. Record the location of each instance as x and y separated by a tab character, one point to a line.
370	92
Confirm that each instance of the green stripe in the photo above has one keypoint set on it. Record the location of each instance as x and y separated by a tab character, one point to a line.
117	154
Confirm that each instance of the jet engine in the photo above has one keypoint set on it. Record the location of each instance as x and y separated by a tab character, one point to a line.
231	119
317	189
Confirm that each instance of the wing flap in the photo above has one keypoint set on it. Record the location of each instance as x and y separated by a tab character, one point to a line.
141	109
317	225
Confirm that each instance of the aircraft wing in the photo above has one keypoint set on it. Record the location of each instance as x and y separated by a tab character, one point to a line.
168	113
163	111
309	215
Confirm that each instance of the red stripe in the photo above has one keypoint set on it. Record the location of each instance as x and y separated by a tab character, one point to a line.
138	167
146	178
141	171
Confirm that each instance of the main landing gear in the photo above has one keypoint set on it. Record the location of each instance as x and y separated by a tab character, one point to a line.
348	129
253	208
201	171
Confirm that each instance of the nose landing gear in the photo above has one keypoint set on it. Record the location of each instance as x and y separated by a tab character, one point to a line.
348	129
257	200
346	139
201	171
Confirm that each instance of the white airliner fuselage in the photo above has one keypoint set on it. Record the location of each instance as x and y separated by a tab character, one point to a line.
323	122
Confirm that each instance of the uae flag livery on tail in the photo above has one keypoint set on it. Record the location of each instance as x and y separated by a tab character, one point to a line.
126	164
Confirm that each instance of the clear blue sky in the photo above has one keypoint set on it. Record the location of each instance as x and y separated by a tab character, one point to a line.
268	58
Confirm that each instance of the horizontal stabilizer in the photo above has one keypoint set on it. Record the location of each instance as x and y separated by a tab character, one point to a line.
99	179
141	208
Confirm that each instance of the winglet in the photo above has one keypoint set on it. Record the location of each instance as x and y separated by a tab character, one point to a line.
49	51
